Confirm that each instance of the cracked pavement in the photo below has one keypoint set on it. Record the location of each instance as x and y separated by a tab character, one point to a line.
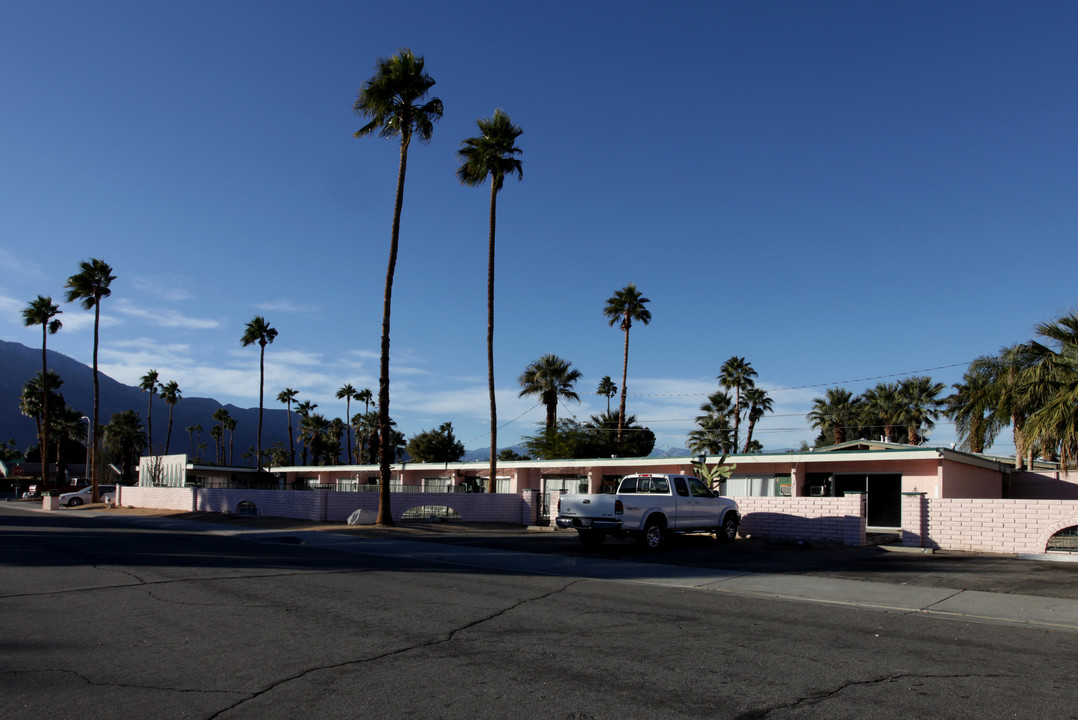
104	620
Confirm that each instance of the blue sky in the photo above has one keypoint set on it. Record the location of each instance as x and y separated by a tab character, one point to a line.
832	190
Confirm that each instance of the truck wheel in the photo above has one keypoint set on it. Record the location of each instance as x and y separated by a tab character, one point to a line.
727	532
591	538
653	536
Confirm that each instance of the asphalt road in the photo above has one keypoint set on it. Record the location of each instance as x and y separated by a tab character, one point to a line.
104	619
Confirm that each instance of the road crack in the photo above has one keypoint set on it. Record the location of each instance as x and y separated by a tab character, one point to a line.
113	684
448	637
823	695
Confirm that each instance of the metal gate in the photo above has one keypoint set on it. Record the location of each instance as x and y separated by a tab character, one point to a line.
573	483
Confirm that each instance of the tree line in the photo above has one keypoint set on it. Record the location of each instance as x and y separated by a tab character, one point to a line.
1030	387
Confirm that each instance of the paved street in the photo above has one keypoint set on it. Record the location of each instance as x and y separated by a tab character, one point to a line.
110	616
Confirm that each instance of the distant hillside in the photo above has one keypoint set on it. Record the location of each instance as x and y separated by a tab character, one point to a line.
20	363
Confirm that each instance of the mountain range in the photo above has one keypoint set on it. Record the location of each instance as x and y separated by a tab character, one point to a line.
19	363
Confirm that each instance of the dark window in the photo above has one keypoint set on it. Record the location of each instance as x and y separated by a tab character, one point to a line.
680	486
698	488
628	485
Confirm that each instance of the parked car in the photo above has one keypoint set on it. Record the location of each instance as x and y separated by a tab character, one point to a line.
650	507
80	497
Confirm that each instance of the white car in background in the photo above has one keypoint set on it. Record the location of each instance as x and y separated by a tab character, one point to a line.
84	496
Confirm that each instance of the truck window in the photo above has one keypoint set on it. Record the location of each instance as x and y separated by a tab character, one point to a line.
680	487
628	485
698	488
660	485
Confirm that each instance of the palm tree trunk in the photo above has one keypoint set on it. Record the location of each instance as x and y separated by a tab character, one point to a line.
976	435
737	415
624	377
261	388
149	424
748	435
385	513
168	432
44	409
291	445
348	425
94	480
1019	442
490	340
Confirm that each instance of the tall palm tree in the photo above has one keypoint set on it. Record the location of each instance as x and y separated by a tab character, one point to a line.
198	435
43	311
190	430
170	393
551	378
836	413
492	154
393	101
126	439
737	374
607	389
366	397
714	434
230	425
148	384
759	404
286	396
921	406
1009	371
883	404
971	406
220	415
304	409
312	428
334	430
216	433
625	306
259	331
67	424
348	394
366	427
89	286
1052	382
36	394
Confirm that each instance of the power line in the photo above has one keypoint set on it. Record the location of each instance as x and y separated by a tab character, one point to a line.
826	384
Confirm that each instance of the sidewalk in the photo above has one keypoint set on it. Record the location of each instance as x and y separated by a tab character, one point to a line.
793	574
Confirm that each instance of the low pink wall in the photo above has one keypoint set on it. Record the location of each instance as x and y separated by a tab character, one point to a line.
821	519
333	506
979	525
976	525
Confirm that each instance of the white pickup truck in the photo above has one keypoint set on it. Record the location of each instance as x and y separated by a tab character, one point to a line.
649	508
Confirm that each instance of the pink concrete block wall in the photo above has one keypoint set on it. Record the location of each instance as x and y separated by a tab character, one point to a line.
980	525
821	519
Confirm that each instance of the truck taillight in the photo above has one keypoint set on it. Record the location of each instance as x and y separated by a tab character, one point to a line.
618	507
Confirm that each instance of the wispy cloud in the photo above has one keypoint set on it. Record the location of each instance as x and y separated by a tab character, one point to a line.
18	265
11	309
165	318
170	288
282	305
